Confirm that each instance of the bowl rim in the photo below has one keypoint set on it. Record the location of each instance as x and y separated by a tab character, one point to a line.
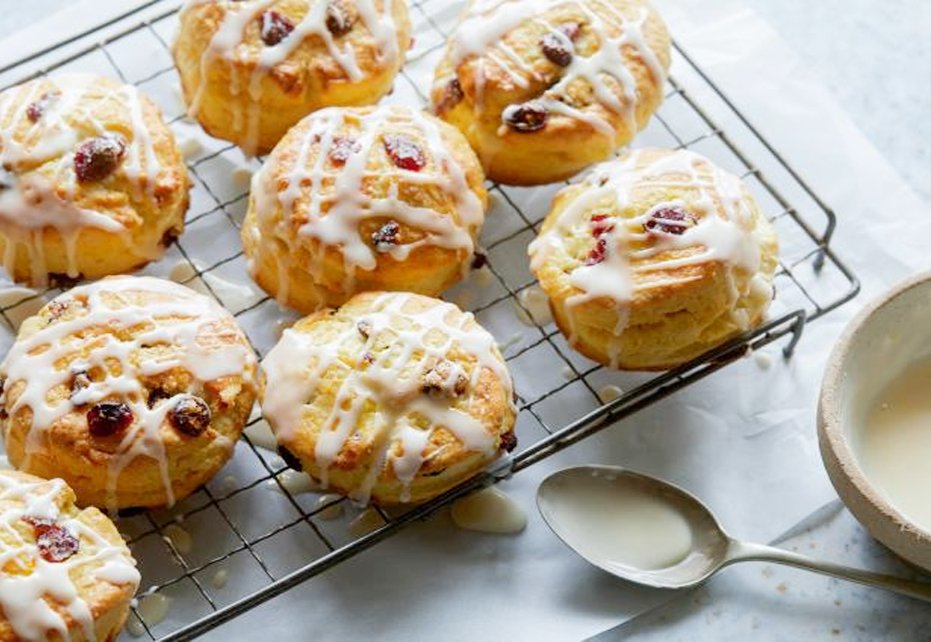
831	429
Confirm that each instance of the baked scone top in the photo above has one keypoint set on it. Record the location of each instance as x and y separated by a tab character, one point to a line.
341	40
124	368
60	567
645	226
83	151
393	384
371	182
533	63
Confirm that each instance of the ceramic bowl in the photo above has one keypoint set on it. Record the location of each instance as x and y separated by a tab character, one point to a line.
874	348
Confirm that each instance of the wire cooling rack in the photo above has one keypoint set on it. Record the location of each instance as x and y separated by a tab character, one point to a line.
255	539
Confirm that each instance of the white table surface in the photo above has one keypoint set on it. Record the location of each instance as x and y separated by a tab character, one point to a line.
878	68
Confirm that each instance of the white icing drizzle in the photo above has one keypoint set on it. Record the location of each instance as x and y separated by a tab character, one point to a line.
482	31
227	44
489	510
295	366
40	178
28	581
186	321
337	203
724	231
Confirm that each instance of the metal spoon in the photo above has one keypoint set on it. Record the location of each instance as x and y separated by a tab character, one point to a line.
560	495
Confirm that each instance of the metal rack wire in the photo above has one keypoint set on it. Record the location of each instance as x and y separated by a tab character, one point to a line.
272	551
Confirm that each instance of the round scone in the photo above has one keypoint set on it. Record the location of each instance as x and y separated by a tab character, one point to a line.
542	88
393	397
360	199
66	573
251	69
655	258
91	180
132	389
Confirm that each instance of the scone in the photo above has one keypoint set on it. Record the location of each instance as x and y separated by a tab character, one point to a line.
251	69
393	397
91	180
359	199
542	88
655	258
66	573
132	389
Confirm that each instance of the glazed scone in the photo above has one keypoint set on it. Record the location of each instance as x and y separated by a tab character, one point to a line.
251	69
655	258
543	88
393	397
91	180
360	199
132	389
66	572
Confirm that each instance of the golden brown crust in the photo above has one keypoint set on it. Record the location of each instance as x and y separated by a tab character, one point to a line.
107	601
438	209
88	228
682	298
66	446
490	81
395	376
223	90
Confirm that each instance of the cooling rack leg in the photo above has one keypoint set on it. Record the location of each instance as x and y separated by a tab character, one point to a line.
798	326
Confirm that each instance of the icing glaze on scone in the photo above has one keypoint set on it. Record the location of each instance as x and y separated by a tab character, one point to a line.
59	567
424	365
80	152
368	184
648	223
94	362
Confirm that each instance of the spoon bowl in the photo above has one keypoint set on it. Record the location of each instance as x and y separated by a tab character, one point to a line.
651	532
709	544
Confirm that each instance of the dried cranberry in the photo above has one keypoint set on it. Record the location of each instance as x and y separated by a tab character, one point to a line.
55	542
452	96
342	148
527	117
556	49
671	220
445	378
274	27
479	260
36	110
289	459
364	328
509	441
597	253
405	153
169	237
190	416
109	418
99	157
156	395
79	381
338	20
601	224
386	237
63	281
570	29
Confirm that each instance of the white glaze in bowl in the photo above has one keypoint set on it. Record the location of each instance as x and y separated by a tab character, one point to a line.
888	335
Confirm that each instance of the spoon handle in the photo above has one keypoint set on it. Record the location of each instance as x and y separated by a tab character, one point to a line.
746	552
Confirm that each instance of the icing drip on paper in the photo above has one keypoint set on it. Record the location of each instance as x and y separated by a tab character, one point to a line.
228	44
38	180
189	321
332	203
625	246
28	580
294	369
481	35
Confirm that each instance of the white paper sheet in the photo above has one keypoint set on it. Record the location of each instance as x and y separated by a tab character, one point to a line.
742	439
